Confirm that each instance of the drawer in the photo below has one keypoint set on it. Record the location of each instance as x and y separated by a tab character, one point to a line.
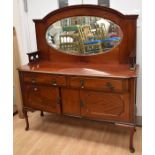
40	78
99	83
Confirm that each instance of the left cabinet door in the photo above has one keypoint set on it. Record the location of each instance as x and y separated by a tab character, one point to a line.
44	98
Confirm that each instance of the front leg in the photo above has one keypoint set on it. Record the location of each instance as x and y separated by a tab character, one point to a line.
26	119
131	147
41	113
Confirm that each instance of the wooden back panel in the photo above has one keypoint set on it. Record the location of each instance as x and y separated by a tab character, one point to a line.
119	54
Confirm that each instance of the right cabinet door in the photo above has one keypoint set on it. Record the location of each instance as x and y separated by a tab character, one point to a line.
105	106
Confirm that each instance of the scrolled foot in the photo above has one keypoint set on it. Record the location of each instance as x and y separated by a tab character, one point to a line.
132	150
27	128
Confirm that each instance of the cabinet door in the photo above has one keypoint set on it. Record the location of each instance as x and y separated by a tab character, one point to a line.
70	101
42	98
108	106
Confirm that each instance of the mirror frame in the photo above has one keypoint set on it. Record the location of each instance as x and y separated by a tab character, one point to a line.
84	50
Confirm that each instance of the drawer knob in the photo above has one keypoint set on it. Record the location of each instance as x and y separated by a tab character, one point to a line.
110	86
82	84
35	89
54	83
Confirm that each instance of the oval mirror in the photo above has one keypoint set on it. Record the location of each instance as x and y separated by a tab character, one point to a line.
84	35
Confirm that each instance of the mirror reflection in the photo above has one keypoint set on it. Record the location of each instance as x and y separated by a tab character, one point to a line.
84	35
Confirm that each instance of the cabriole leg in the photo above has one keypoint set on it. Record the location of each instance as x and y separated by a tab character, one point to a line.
26	119
41	113
131	147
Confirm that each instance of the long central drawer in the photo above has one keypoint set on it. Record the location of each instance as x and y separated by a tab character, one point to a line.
39	78
107	84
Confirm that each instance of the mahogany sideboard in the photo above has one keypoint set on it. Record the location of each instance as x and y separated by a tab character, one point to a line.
100	87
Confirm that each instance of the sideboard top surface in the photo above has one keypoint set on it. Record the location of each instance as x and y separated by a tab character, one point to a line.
82	69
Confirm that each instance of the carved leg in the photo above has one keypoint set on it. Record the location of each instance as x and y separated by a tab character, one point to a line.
26	119
42	114
135	129
132	130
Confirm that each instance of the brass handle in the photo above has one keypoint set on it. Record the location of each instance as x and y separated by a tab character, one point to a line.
109	85
81	103
35	89
82	84
58	100
54	83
